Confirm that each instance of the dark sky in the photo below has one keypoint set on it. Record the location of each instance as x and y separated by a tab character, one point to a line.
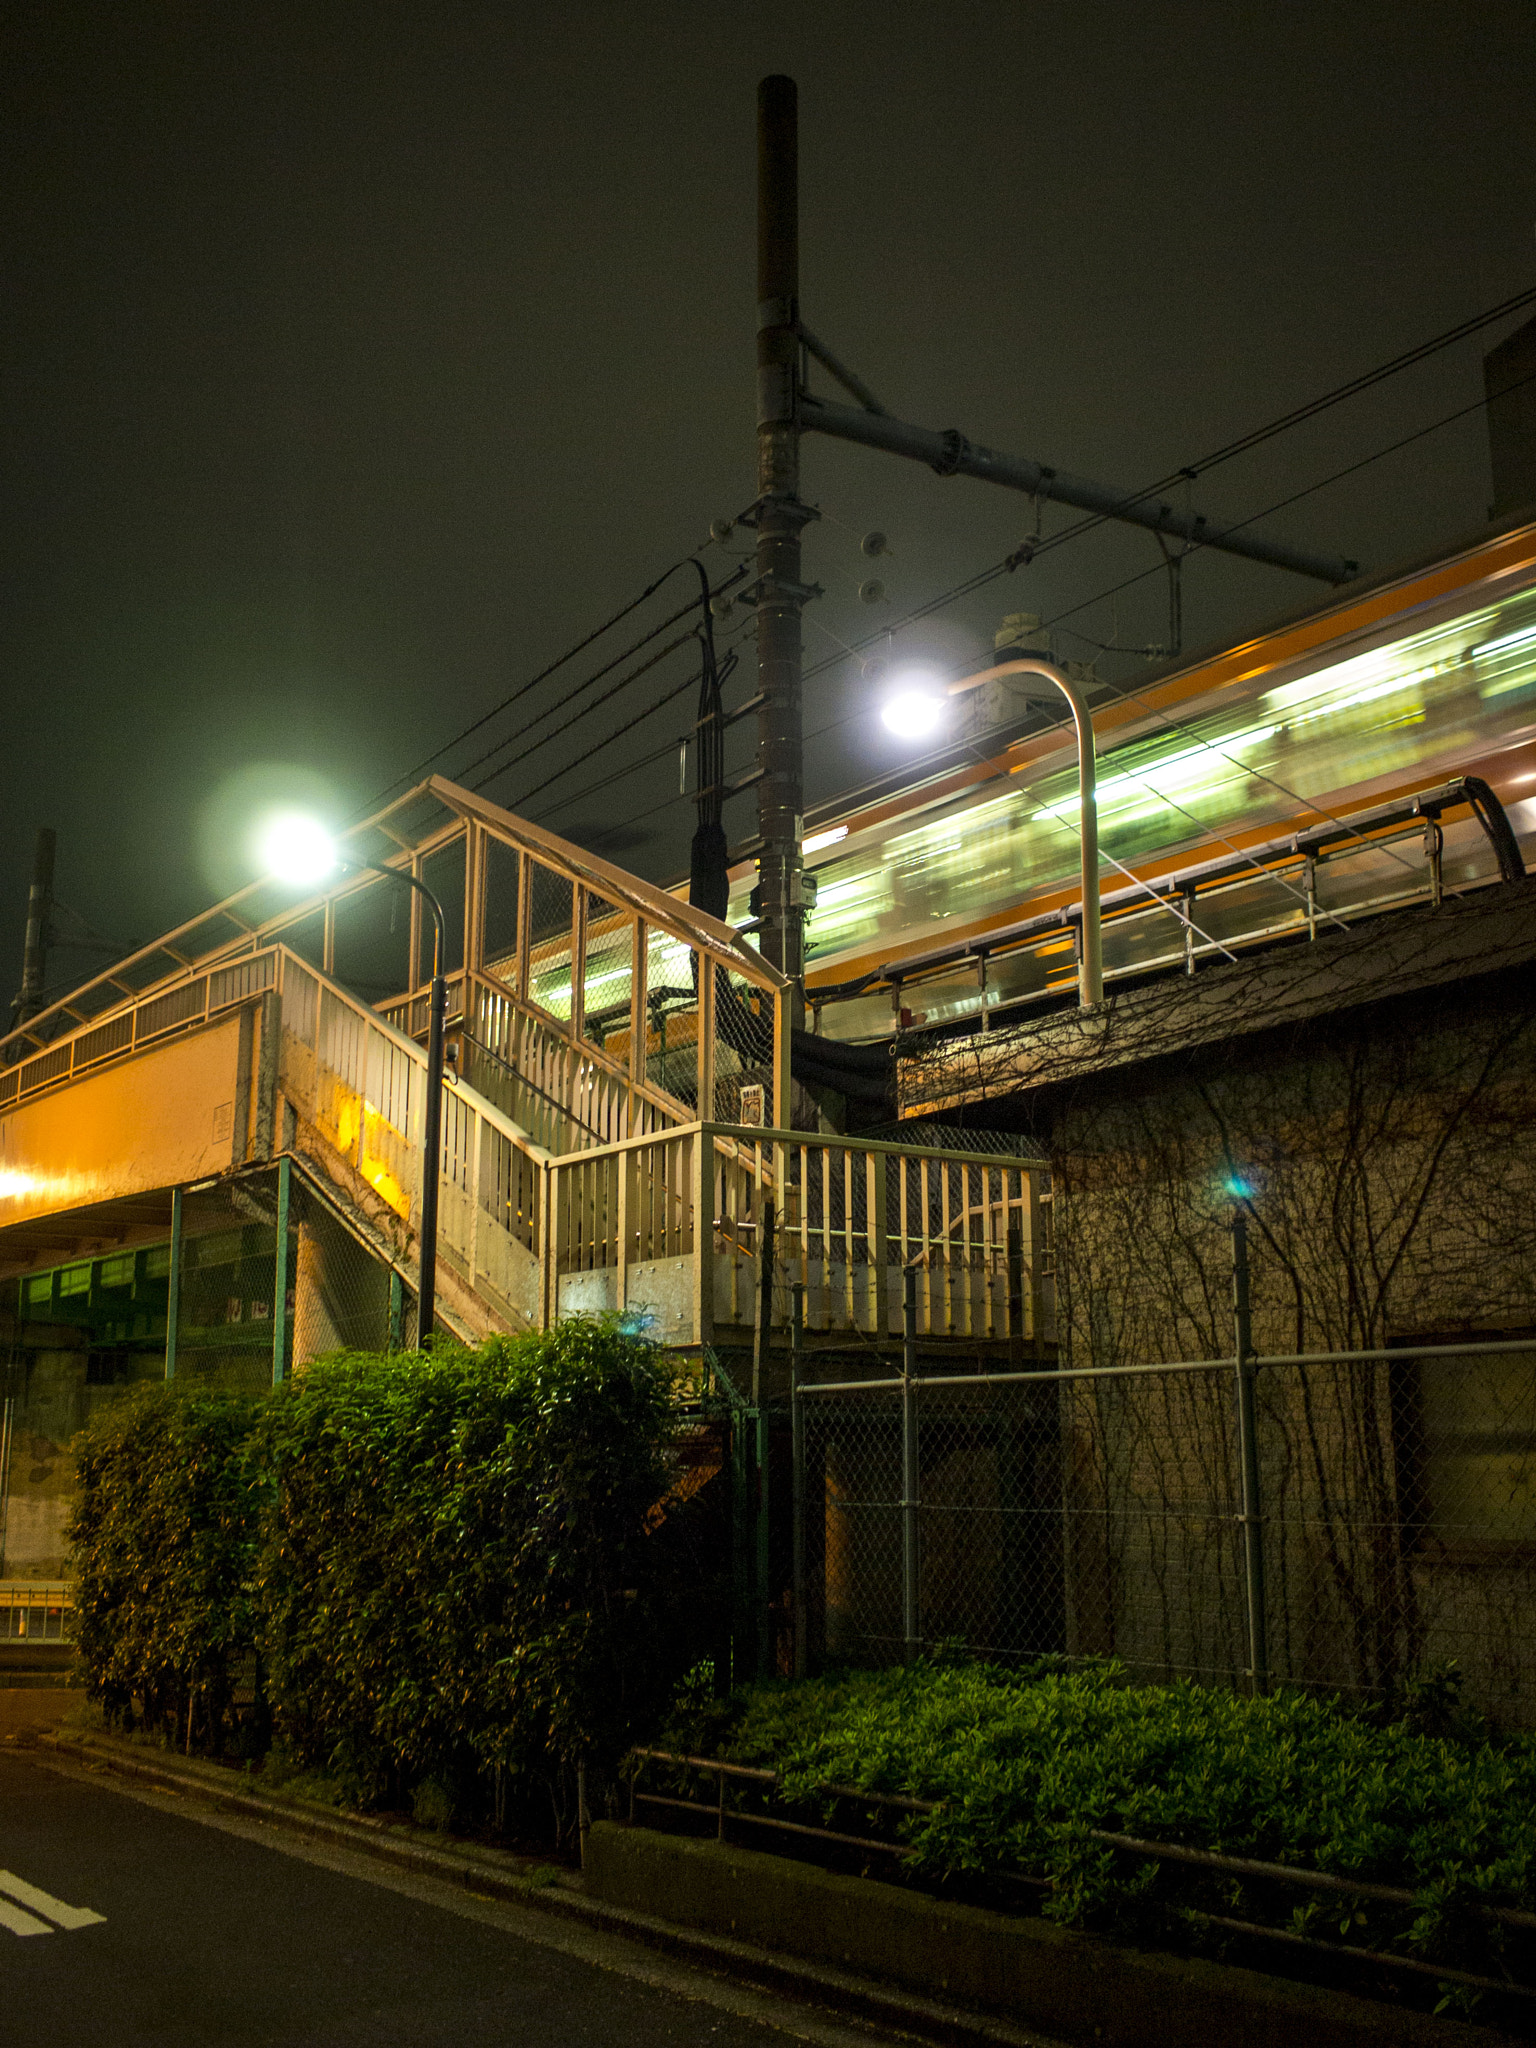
359	359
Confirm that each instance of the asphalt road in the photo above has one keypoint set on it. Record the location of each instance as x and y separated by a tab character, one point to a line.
216	1930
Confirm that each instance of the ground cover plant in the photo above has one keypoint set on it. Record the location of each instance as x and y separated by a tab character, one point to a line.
442	1571
1027	1765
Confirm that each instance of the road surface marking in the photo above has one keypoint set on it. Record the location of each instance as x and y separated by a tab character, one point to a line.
21	1923
67	1917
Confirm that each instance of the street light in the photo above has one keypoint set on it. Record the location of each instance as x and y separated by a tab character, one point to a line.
297	848
1090	972
916	710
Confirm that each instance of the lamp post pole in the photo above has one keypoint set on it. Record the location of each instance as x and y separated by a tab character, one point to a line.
1090	970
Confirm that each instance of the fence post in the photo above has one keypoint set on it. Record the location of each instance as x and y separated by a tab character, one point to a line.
280	1272
741	1561
767	1225
397	1315
797	1478
761	1337
1250	1518
173	1286
761	1571
909	1604
1015	1298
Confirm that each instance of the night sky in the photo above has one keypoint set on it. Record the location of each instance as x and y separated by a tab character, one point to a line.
360	359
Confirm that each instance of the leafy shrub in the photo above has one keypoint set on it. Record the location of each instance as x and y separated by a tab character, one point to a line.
443	1561
1026	1766
163	1538
454	1569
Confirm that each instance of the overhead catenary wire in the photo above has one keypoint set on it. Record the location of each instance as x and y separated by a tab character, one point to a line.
410	775
981	578
1017	558
609	739
1127	694
661	753
563	703
587	711
1352	387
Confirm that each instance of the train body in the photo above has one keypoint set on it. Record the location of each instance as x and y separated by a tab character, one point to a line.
955	894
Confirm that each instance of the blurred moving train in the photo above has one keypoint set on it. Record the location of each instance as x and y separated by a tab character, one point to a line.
1361	755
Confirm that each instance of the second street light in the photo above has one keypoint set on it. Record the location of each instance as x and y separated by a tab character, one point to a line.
298	849
917	711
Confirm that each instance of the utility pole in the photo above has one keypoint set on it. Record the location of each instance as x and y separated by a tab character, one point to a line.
780	516
785	411
34	959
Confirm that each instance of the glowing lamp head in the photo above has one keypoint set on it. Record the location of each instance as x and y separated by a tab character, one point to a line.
298	849
915	710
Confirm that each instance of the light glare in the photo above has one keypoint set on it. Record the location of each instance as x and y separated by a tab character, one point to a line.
912	715
297	849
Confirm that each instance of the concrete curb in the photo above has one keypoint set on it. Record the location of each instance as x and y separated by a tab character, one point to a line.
778	1914
1080	1986
499	1874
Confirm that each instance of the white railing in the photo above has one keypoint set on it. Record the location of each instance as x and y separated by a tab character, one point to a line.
672	1227
669	1223
361	1085
157	1016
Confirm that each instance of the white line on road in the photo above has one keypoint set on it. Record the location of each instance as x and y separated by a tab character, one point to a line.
67	1917
21	1923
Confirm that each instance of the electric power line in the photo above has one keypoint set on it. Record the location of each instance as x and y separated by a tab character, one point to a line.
980	579
543	675
1295	417
1129	695
587	710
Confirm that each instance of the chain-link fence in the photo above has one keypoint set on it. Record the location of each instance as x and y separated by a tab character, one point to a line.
1353	1522
243	1323
207	1304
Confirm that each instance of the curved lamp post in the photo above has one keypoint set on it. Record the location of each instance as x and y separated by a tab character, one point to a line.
1090	972
299	850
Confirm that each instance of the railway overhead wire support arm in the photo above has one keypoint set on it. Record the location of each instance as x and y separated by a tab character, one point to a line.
785	411
949	453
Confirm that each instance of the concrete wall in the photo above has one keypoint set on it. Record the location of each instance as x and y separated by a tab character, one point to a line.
1390	1156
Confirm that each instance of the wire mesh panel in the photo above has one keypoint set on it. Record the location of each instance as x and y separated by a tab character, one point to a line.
228	1284
1100	1513
671	1016
501	905
1150	1506
854	1533
340	1292
743	1053
1400	1523
608	976
551	902
934	1522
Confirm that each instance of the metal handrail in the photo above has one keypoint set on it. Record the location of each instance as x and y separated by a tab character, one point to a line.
1172	1852
1057	1375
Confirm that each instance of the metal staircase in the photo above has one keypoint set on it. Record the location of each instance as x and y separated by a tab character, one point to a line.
616	1121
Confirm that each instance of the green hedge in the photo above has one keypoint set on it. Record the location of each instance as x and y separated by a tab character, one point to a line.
1027	1766
163	1542
442	1562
